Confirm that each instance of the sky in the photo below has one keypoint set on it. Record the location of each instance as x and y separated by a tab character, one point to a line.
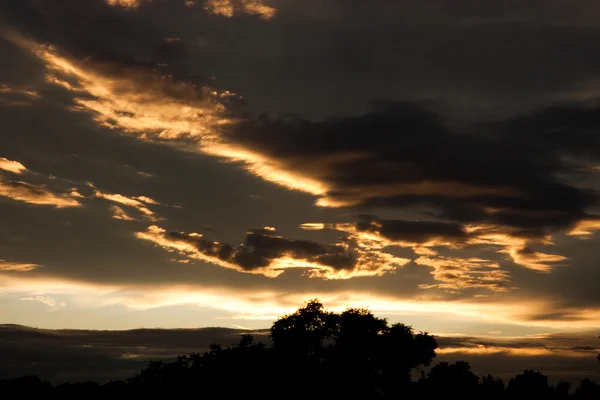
195	163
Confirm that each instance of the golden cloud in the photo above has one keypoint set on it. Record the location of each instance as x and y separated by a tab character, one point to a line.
12	166
229	8
124	3
515	351
139	203
460	273
159	109
35	194
585	228
373	235
119	213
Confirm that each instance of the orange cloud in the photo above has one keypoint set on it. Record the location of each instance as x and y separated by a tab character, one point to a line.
137	105
35	194
124	3
515	351
229	8
119	213
12	166
585	228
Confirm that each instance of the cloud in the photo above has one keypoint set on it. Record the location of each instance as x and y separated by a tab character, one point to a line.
15	96
35	194
495	189
119	213
585	228
229	8
124	3
409	158
572	345
424	237
508	185
260	303
12	166
46	300
134	99
7	266
458	273
266	252
139	203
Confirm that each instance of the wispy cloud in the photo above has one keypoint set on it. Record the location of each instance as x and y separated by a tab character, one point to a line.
139	203
46	300
17	96
119	213
7	266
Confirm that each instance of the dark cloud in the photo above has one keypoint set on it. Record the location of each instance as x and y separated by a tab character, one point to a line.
404	156
412	231
268	253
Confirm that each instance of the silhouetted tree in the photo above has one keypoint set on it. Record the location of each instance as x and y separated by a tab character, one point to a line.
491	388
452	379
354	346
529	385
562	390
587	390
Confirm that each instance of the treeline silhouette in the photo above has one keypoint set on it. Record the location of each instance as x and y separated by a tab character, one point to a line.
316	354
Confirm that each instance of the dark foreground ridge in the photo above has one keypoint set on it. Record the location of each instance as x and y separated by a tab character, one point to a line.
316	354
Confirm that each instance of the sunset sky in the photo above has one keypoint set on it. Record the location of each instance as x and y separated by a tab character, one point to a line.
171	163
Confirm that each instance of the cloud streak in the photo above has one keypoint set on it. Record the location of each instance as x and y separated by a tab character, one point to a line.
7	266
